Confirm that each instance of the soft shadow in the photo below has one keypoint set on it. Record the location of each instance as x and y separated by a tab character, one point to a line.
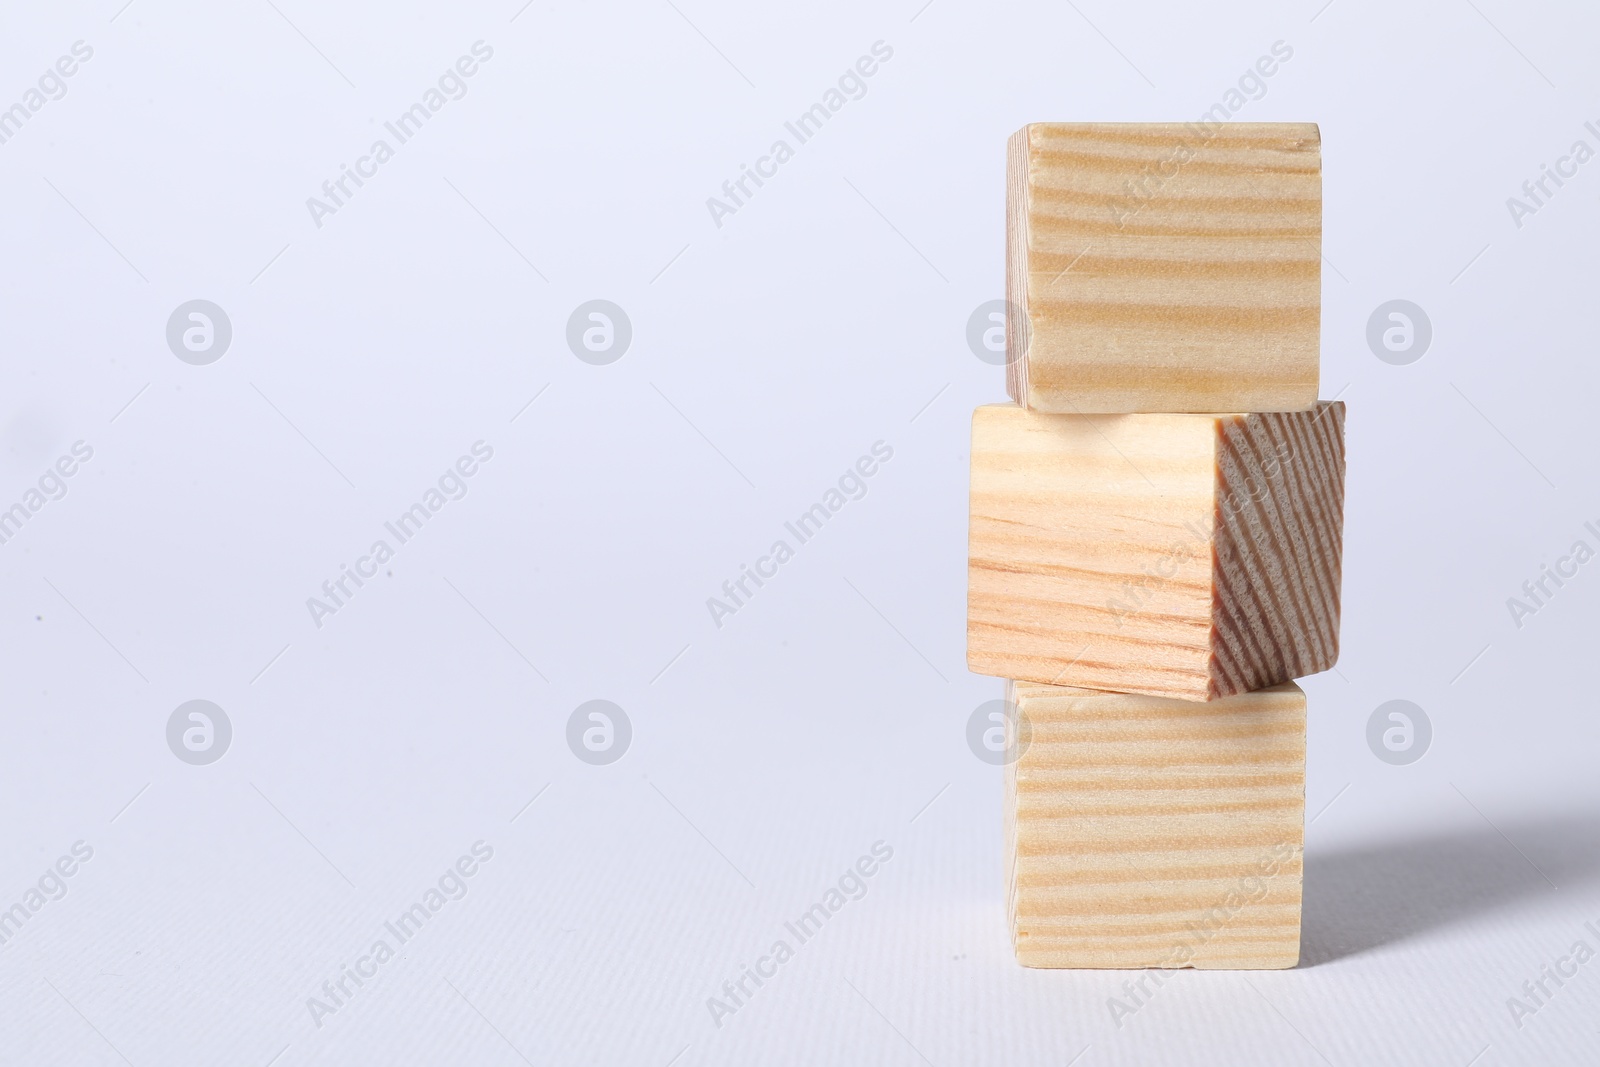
1362	898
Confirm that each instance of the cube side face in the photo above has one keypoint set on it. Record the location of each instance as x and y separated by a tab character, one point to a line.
1088	559
1010	827
1278	546
1151	833
1167	266
1017	208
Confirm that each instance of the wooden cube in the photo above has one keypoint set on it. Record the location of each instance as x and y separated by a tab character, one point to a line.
1143	832
1188	556
1164	266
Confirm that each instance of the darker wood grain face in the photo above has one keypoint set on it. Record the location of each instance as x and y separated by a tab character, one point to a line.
1278	547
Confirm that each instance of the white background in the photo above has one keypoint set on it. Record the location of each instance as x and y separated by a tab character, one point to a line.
768	354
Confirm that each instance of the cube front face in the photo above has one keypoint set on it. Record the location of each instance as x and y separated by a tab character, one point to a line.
1088	563
1143	832
1164	266
1185	556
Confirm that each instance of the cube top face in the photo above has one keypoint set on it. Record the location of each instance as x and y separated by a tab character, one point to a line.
1164	267
1143	832
1185	556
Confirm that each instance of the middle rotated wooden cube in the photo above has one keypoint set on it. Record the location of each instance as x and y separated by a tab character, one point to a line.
1186	556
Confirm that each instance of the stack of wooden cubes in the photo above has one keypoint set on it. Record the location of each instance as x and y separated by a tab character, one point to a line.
1155	539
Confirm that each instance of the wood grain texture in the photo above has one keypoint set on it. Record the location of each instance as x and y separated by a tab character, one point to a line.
1143	832
1164	266
1185	556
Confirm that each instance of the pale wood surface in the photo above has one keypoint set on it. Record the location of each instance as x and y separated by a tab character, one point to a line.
1164	266
1187	556
1144	832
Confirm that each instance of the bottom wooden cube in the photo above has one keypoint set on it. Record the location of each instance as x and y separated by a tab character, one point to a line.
1149	832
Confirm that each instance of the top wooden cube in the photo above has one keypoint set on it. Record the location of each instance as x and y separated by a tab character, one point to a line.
1163	267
